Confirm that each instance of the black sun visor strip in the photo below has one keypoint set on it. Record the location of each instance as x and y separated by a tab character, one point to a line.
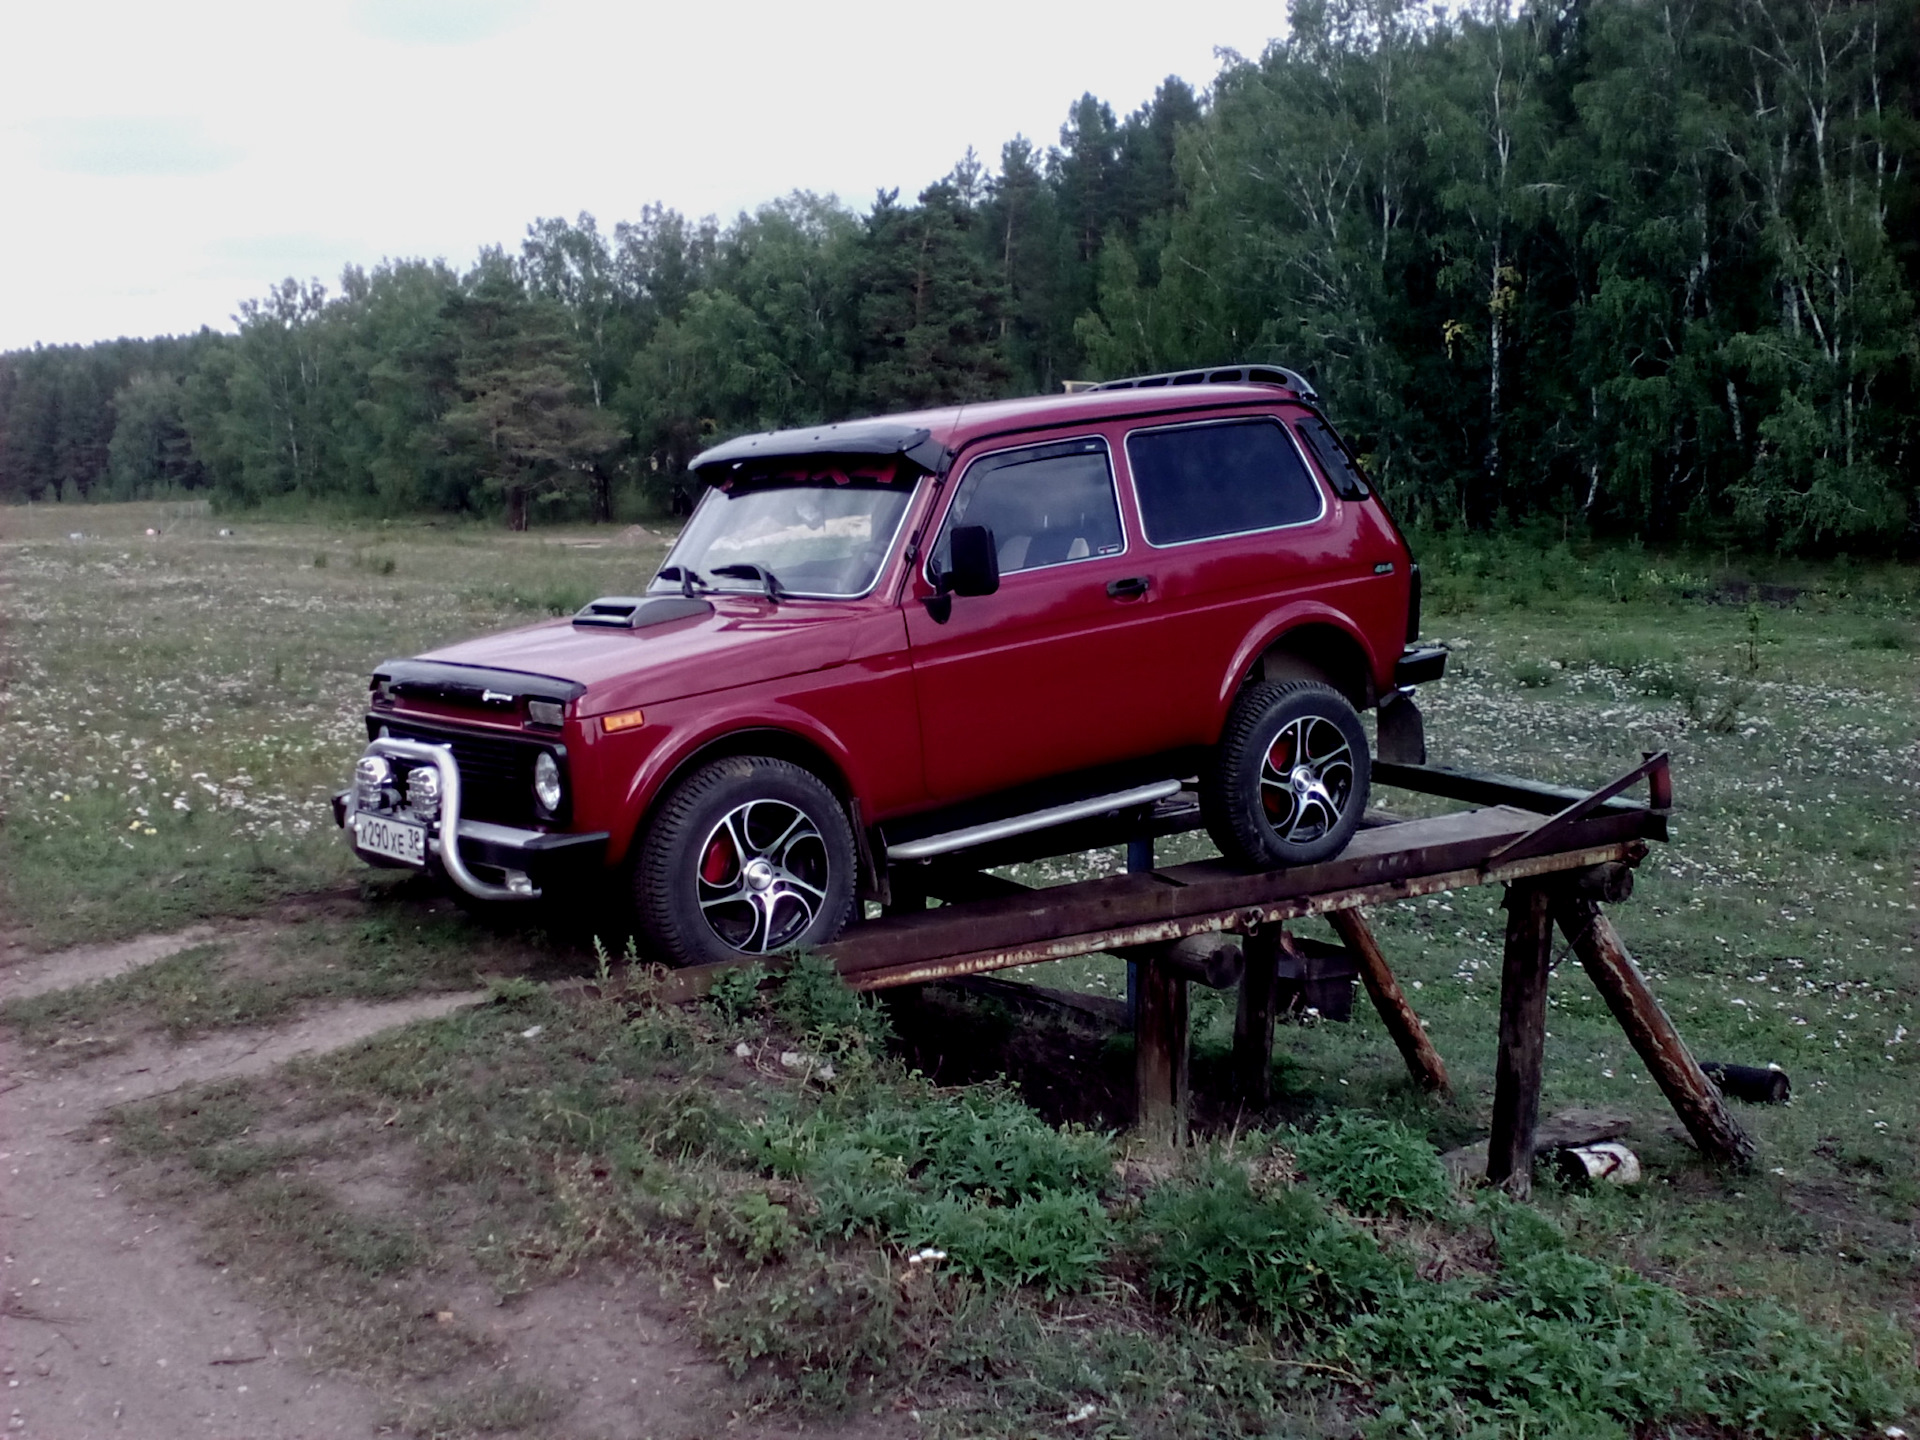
855	438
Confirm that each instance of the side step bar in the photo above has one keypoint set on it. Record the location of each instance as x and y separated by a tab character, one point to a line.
1038	820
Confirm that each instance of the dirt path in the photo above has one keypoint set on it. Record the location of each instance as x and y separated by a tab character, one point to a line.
88	963
111	1324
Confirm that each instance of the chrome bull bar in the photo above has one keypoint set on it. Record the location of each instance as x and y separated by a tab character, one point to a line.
444	835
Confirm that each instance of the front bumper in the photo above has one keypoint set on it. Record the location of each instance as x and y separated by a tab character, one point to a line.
528	861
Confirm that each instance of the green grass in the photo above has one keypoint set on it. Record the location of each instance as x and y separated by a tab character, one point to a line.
872	1239
536	1137
180	706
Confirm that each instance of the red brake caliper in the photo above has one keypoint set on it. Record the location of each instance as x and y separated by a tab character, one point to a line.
1280	758
717	862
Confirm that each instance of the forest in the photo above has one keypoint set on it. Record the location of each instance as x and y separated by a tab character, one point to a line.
1636	268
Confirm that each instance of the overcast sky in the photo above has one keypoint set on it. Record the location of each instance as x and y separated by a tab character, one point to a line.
161	162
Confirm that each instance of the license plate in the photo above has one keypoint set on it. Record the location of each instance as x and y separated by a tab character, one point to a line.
395	839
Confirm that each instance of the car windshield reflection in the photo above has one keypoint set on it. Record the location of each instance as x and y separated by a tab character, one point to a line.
824	541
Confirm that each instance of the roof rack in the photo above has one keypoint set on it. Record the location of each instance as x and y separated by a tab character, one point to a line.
1218	375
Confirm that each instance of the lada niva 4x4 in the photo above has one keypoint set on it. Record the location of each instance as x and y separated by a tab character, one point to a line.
890	639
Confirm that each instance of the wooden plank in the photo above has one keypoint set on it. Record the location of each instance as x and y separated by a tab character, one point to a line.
1253	1018
1161	1054
1491	789
680	986
1523	1031
1545	838
1693	1096
1444	842
1424	1064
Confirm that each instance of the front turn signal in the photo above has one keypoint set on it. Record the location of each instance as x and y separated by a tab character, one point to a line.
622	720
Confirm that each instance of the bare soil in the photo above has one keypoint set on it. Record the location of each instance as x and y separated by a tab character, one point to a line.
111	1322
85	964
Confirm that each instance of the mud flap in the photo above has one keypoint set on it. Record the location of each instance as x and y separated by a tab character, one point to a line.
1402	738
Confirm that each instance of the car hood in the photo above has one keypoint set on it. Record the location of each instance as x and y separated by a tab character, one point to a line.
742	641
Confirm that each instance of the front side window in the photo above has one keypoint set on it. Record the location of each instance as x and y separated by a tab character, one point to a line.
1226	478
1046	505
821	538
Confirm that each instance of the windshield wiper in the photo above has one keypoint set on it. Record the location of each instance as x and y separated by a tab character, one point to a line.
761	573
689	578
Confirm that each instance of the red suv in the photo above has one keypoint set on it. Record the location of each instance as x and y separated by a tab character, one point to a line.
890	639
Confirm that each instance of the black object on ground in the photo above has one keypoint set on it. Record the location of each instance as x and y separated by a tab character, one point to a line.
1755	1084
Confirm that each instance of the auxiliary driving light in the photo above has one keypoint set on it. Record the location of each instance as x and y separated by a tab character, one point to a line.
423	791
370	777
546	783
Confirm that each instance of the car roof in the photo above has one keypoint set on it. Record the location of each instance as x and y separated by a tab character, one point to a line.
922	435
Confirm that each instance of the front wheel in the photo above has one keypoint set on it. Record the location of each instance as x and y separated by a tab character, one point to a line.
748	856
1289	780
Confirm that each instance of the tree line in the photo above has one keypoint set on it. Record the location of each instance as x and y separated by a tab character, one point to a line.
1645	267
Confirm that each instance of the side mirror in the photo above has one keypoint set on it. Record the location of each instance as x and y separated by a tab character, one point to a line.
975	561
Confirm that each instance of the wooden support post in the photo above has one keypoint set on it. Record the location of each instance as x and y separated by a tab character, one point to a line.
1253	1020
1424	1064
1523	1034
1160	1055
1693	1096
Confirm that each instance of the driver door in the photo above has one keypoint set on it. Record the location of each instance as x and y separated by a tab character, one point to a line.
1033	680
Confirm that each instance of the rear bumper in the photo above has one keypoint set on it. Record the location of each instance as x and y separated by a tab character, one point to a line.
1418	667
515	864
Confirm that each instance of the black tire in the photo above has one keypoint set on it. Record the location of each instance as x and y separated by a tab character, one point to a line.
1266	809
721	871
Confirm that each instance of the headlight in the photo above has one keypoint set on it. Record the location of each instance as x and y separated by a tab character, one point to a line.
423	791
546	782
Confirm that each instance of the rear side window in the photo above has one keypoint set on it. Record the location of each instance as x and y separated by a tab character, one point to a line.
1335	460
1046	505
1196	481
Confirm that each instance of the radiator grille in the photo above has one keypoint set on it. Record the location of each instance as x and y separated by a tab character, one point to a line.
496	774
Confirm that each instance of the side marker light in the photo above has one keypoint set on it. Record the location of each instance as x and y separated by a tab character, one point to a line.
623	720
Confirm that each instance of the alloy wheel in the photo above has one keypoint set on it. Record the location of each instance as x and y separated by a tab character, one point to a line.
762	875
1306	779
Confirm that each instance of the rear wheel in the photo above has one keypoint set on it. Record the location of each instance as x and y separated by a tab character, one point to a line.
748	856
1290	777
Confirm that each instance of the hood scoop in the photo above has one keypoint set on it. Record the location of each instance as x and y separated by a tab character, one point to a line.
636	612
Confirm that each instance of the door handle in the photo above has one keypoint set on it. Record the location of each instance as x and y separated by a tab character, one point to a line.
1129	588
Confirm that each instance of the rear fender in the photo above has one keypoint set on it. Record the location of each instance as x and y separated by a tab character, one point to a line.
1304	641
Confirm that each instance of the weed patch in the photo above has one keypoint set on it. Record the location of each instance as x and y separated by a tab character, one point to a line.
1374	1166
1278	1258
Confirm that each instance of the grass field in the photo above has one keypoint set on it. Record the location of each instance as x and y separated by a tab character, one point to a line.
178	706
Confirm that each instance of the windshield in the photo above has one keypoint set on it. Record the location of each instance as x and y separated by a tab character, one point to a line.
826	541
